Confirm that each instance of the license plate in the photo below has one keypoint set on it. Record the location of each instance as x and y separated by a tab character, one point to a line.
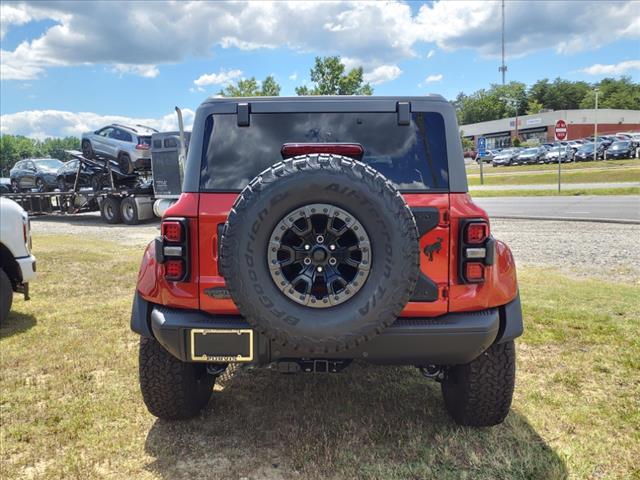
221	345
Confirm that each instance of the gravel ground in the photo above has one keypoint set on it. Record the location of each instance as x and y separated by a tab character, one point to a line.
583	249
602	250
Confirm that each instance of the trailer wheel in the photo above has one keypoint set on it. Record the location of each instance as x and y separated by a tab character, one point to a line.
110	210
129	211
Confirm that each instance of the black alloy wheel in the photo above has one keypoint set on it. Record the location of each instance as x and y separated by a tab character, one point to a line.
319	255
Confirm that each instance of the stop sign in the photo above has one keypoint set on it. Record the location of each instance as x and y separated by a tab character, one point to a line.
561	130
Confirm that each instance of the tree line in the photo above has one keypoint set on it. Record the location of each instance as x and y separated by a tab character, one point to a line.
16	147
502	101
329	76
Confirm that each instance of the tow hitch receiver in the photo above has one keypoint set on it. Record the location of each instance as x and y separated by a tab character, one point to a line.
312	366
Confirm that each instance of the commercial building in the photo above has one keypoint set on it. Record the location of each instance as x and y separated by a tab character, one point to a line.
580	124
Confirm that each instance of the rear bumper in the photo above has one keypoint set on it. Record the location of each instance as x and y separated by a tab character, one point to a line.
27	268
455	338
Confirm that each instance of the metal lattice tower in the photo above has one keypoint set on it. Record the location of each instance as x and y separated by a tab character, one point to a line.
503	67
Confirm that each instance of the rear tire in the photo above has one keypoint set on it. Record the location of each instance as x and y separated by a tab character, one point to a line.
6	296
171	389
110	210
479	393
15	186
125	164
129	211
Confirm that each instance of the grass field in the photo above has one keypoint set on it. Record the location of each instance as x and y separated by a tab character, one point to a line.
70	405
565	191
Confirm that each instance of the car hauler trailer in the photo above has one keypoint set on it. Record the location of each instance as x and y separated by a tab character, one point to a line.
114	197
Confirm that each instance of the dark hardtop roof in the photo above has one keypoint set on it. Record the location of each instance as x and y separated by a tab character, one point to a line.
325	98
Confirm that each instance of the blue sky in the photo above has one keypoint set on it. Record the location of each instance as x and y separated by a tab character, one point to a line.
70	66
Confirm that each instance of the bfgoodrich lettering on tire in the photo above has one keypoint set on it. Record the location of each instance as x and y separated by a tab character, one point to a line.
320	252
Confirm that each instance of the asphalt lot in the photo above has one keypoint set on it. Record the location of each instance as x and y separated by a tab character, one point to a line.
609	207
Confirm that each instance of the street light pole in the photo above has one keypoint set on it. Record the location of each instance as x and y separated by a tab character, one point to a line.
595	133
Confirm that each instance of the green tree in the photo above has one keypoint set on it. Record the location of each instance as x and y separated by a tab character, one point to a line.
17	147
534	107
621	93
559	95
270	87
329	78
249	87
499	101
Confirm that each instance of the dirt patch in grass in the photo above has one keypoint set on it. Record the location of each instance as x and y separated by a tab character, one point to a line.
70	405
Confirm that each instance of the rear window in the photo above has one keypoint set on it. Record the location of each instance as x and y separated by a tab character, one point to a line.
144	141
413	157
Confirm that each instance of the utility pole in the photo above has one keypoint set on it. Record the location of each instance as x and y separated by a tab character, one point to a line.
595	132
503	67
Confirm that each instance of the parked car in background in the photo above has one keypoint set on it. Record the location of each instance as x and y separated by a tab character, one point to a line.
607	140
565	153
38	173
487	157
623	149
17	264
531	155
505	157
585	153
575	144
130	147
91	176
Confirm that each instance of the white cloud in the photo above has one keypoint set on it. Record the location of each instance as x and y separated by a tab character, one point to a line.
383	73
434	78
431	53
222	78
372	34
57	123
147	71
612	69
530	26
293	76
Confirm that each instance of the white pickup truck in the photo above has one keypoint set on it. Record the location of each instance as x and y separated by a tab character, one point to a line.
17	265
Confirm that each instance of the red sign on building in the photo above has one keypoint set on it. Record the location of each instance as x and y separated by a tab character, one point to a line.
561	130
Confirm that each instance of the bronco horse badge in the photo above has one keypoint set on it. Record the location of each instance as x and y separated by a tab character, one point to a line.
435	247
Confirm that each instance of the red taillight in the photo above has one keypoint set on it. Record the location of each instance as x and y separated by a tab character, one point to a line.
474	271
353	150
142	146
172	249
476	232
174	269
172	231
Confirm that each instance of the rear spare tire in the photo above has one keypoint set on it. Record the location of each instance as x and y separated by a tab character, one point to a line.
320	252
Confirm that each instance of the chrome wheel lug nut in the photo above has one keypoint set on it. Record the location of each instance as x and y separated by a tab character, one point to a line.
307	247
332	261
332	247
319	269
307	261
319	239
